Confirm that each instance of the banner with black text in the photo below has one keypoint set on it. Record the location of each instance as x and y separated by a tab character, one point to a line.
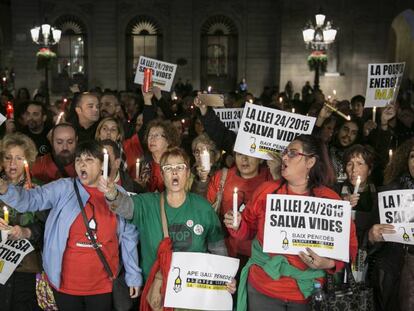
199	281
294	223
162	73
264	130
11	254
383	83
396	208
230	117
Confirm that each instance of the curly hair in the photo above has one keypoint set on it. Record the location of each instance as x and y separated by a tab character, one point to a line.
399	162
170	132
19	140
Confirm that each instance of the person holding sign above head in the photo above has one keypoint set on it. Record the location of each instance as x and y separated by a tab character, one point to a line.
394	265
81	253
276	281
191	222
18	293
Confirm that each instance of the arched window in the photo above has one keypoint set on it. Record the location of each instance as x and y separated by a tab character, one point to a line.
219	53
143	38
71	66
401	47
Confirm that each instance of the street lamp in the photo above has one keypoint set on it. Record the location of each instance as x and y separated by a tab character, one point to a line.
45	36
317	38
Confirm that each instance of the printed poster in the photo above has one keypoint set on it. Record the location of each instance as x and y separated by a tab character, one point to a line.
383	83
230	117
162	76
396	208
294	223
264	130
199	281
11	254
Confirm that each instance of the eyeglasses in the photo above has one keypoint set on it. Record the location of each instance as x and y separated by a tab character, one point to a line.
156	136
169	168
292	153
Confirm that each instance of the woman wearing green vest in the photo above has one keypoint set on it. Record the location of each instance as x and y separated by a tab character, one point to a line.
285	282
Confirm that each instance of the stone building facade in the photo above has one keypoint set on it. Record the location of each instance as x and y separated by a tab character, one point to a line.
262	40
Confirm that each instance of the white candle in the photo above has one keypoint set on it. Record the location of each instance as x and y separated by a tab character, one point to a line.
293	110
358	182
205	160
209	89
137	169
105	164
6	214
235	207
334	92
374	112
59	118
390	155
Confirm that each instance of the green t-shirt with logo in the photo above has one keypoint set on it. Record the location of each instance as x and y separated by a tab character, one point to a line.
191	226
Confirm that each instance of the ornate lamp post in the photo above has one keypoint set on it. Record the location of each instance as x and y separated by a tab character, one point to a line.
317	38
45	36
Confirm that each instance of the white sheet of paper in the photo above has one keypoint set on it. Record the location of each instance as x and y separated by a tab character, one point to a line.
294	222
198	281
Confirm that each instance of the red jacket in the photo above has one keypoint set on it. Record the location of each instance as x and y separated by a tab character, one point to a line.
245	188
133	151
253	220
45	169
163	264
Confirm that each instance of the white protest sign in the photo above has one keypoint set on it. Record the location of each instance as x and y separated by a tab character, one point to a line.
11	254
383	83
396	208
230	117
264	130
293	223
2	119
162	76
198	281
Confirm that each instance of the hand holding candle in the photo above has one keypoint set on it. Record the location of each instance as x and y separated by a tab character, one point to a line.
9	110
205	160
105	164
27	171
235	207
59	118
137	164
357	184
6	214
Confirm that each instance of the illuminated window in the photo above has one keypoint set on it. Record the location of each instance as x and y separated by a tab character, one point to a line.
71	66
144	38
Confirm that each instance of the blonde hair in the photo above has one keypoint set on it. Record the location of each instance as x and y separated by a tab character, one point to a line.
118	125
22	141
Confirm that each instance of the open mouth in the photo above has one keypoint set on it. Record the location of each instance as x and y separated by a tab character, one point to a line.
83	174
12	171
175	181
283	166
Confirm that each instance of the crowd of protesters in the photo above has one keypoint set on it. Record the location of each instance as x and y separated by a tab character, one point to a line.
154	141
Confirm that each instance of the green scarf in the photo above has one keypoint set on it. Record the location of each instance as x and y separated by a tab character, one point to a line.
275	267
